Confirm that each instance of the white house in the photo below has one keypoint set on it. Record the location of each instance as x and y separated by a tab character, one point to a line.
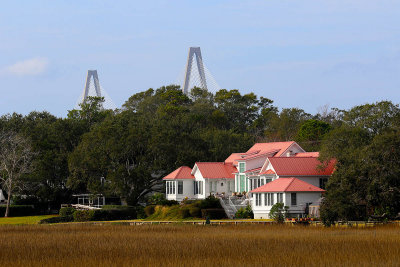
241	173
294	193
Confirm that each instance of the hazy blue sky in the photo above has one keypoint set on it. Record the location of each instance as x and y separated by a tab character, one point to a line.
298	53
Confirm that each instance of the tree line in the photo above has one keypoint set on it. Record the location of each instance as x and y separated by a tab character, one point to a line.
126	152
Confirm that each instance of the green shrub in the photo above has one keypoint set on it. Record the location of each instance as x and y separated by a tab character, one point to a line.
83	215
213	213
184	212
245	213
149	210
118	207
59	219
140	214
278	212
195	212
210	202
66	211
18	210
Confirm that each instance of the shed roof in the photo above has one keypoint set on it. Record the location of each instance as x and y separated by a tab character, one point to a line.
216	170
301	166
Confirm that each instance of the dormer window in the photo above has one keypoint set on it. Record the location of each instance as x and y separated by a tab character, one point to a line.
242	166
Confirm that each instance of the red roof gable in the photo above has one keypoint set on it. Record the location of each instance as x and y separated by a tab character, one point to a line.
287	185
216	170
301	166
183	172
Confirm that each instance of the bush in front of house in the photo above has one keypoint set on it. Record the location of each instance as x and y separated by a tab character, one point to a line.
195	212
210	202
59	219
83	215
66	211
213	214
184	213
245	213
19	210
278	212
149	210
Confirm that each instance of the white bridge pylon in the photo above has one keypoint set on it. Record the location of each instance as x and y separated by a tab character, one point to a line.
196	74
93	88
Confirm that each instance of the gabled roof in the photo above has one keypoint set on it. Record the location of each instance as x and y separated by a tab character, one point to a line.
232	159
269	171
216	170
281	147
183	172
307	154
301	166
273	149
287	185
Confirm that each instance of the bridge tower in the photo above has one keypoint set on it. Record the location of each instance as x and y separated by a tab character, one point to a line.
194	52
91	74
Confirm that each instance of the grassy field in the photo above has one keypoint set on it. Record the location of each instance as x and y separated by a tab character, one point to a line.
193	245
23	220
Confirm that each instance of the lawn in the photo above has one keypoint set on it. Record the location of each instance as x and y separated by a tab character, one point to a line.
23	220
197	245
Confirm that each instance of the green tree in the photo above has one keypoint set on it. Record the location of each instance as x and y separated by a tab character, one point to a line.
311	133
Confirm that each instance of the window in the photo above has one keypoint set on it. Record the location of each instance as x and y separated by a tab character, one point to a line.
258	199
262	182
293	199
279	197
269	199
180	187
198	187
170	187
322	182
242	166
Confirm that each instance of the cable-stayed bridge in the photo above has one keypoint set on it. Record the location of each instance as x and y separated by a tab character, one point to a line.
195	74
93	88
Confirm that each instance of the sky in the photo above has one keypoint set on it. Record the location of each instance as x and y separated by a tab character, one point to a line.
303	54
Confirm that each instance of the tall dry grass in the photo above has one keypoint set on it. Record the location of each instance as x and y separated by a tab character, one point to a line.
191	245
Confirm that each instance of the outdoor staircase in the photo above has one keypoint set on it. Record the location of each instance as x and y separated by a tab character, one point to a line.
232	204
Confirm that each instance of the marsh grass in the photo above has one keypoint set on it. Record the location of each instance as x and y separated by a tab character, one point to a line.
197	245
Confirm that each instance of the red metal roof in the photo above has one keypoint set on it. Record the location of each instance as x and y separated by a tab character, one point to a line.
269	171
232	159
308	154
267	147
253	170
216	170
301	166
183	172
287	185
273	149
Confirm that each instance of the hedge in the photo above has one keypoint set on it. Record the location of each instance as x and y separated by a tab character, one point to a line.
83	215
18	210
213	214
58	219
66	211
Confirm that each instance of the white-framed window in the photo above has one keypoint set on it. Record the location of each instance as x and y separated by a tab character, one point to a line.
258	199
198	187
269	199
279	197
170	187
242	166
180	187
293	199
262	182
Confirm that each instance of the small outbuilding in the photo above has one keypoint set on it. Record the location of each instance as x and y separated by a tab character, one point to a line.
294	193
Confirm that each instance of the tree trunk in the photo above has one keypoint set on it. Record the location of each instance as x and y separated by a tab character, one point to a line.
8	203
